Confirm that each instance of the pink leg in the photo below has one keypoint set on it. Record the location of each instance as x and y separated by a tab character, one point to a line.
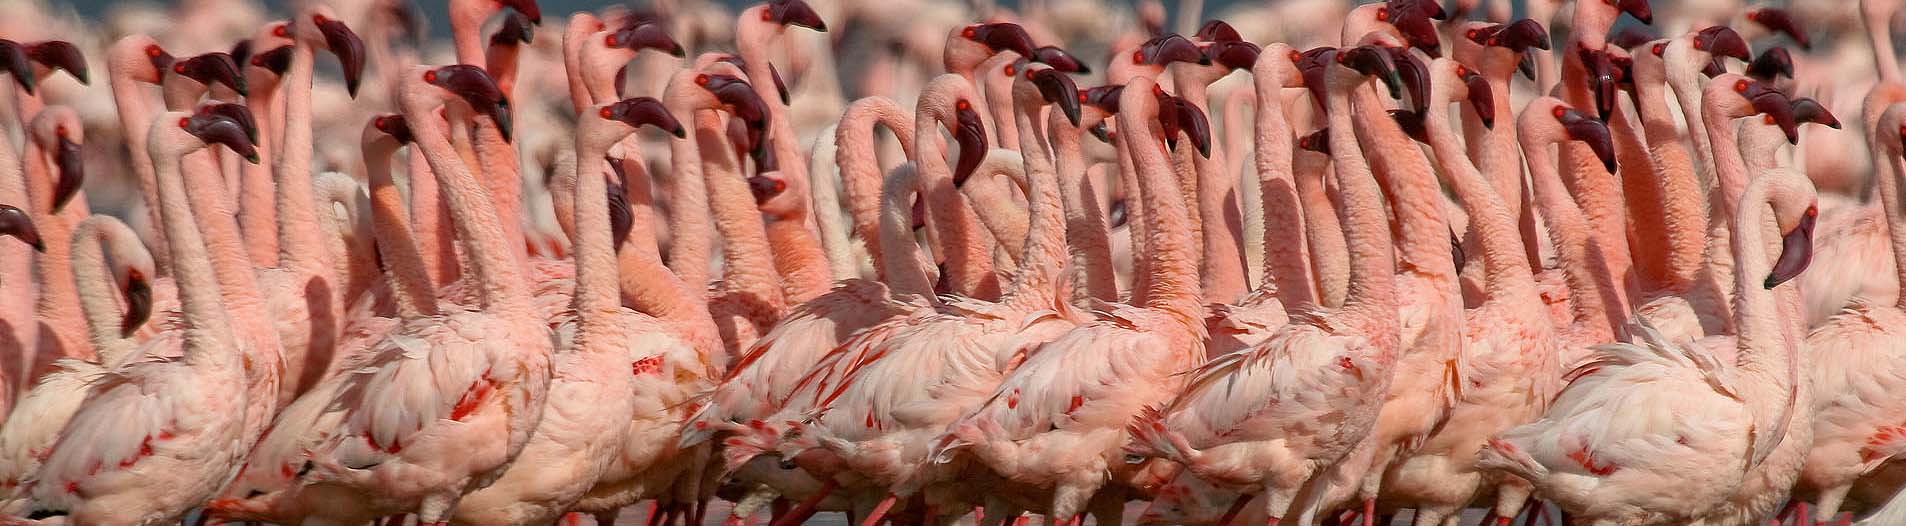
880	511
1370	512
805	509
1271	521
1237	506
655	513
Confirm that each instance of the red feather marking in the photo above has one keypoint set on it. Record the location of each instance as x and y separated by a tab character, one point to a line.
1076	402
72	487
285	469
1878	445
477	393
1587	460
652	364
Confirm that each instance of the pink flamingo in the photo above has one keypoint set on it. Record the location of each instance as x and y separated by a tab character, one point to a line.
156	437
53	174
476	378
1606	467
1055	423
1683	228
1223	267
270	57
802	264
1347	353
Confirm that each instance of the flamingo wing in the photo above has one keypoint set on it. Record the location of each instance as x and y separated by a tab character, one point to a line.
1294	378
440	370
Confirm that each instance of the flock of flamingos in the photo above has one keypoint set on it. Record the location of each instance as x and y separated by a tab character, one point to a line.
1420	259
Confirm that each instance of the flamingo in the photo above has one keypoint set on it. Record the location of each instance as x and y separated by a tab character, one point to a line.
475	379
53	175
798	254
156	437
1613	474
268	58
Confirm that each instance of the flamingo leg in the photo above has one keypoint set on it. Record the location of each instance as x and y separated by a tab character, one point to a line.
1237	506
655	513
1369	512
880	511
805	509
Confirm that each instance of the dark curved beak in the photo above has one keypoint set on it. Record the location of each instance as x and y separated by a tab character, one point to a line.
1418	30
476	87
1428	8
1101	132
528	8
209	68
742	101
1524	34
239	114
1057	88
1796	252
1526	66
1481	98
1456	251
1809	110
241	51
648	34
13	59
1195	124
17	223
1773	63
138	303
1317	141
1415	77
797	13
1775	104
646	111
621	220
1412	124
765	187
397	127
214	128
1594	132
62	55
1167	49
1234	54
1631	36
1105	98
1061	60
1722	41
349	49
1638	9
1216	30
276	61
1372	61
516	29
780	86
970	132
1004	36
66	158
1601	80
1778	20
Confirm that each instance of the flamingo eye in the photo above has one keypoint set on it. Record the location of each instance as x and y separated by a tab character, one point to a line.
1813	210
1658	48
183	122
380	122
1740	86
179	68
604	112
319	19
154	51
1753	15
1295	55
766	16
963	105
1462	71
1138	57
280	31
780	185
1558	111
430	76
968	32
1471	34
1010	70
701	80
1383	14
60	132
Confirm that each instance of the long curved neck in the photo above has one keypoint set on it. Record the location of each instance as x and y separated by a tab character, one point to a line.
902	272
199	296
1223	263
1496	153
415	295
1683	218
752	48
747	260
1506	274
968	259
1421	233
300	245
647	284
596	299
1764	350
1587	283
798	254
1895	202
258	195
219	233
860	169
430	219
467	38
1035	285
1730	171
95	283
134	116
1086	235
497	275
1688	93
504	183
691	240
1879	32
1287	272
1137	220
58	304
1366	228
1172	269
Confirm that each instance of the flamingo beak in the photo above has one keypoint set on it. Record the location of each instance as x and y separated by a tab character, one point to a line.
276	61
241	51
17	223
1773	63
1481	98
795	13
1809	110
780	87
1776	105
395	126
1631	36
1722	41
1217	31
1418	30
1005	36
138	303
648	35
1193	122
66	159
1594	132
1317	141
59	54
1372	61
239	114
1415	77
765	187
215	128
214	67
1796	251
528	8
13	59
1780	21
1601	81
1101	132
970	132
477	88
621	220
1234	54
349	49
1638	9
641	111
1061	60
516	29
1412	124
1057	88
1524	34
742	101
1167	49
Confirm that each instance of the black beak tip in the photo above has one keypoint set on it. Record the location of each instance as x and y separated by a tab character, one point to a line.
39	246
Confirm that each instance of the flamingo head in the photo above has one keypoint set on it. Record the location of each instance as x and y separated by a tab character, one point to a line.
1773	63
319	25
395	126
1480	97
1809	110
1164	50
1216	30
1796	240
17	223
1412	19
1056	88
219	128
1184	116
970	132
1233	54
13	60
1317	141
1061	60
1001	36
59	55
644	111
780	86
1415	75
1602	79
1766	99
1717	42
209	68
237	113
477	88
516	29
1580	127
275	61
58	130
1369	61
138	292
1780	21
1104	101
640	33
1518	36
1631	36
793	13
739	98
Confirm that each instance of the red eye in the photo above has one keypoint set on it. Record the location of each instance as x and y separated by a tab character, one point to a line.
1010	70
1138	57
1753	15
1471	34
1462	71
604	112
1558	111
179	68
609	41
967	33
1383	14
1658	48
1769	119
766	16
279	31
1081	97
183	122
1740	86
154	51
430	76
1295	55
319	19
1813	210
963	105
701	80
380	122
780	185
60	132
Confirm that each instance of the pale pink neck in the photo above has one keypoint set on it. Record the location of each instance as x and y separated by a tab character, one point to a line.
902	272
597	283
1506	274
1879	32
968	258
1682	216
199	289
1494	149
1889	188
1137	220
582	26
1366	229
1172	268
1422	236
691	239
96	290
488	252
798	255
1086	234
300	245
747	259
1730	171
409	279
1286	256
134	117
998	93
1329	257
1223	272
467	38
58	304
752	46
1765	354
504	183
219	226
258	194
1688	93
1589	285
500	61
1034	286
430	217
860	169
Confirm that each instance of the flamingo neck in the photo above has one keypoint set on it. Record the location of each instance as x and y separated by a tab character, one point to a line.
1421	233
903	272
1366	229
1172	266
414	293
968	257
1287	272
95	284
1587	284
1894	201
1884	58
258	195
690	239
1679	190
1506	274
134	116
748	262
1085	231
209	335
497	276
860	169
1034	286
300	247
597	285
